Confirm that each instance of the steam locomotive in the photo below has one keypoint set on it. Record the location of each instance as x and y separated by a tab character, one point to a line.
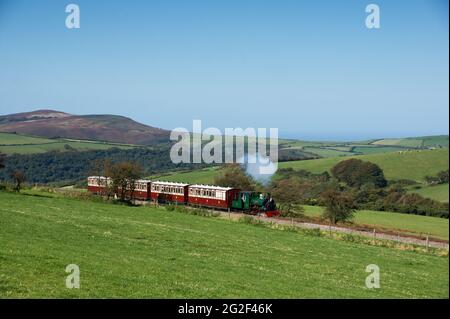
207	196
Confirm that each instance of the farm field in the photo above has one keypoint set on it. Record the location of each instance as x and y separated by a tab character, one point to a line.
200	176
16	139
408	165
151	252
437	140
334	149
437	192
22	144
405	223
414	165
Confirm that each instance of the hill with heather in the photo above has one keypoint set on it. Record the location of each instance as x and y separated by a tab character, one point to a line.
105	127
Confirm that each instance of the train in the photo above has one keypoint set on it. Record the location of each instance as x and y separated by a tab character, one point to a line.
199	195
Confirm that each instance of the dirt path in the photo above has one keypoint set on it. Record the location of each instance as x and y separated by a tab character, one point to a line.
341	229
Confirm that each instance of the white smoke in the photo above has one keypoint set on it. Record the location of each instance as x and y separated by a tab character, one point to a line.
261	170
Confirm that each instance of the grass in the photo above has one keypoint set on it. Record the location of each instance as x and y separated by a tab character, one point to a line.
375	150
410	142
200	176
405	223
21	144
14	139
414	165
327	152
151	252
436	192
423	141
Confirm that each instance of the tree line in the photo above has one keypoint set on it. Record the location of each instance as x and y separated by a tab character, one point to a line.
60	168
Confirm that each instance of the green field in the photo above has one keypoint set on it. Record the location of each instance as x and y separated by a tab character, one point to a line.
16	139
375	150
326	152
437	192
21	144
151	252
414	165
422	141
404	223
200	176
333	149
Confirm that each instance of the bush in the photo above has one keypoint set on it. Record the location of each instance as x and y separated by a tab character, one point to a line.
355	173
250	220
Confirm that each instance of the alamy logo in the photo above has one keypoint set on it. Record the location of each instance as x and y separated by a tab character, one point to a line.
373	19
73	19
373	280
192	149
73	279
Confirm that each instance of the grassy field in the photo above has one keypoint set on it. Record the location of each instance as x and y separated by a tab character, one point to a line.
437	192
414	165
201	176
334	149
16	139
423	141
405	223
22	144
150	252
375	150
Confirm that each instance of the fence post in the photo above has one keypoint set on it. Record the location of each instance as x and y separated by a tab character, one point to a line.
374	235
428	242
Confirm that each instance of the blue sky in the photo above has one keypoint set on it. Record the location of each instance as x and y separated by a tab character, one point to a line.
310	68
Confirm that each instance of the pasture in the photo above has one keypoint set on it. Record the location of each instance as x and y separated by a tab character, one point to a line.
22	144
150	252
199	176
395	222
413	165
436	192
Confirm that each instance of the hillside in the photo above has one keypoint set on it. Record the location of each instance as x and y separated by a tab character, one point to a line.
386	145
150	252
436	192
109	128
11	143
413	165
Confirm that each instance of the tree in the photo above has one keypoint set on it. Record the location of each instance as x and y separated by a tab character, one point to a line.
232	175
355	173
103	167
443	177
440	178
290	193
124	176
19	178
339	206
2	160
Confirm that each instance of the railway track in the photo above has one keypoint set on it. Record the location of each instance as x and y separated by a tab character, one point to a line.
401	238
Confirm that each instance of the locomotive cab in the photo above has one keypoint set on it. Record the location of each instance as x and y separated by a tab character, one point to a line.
248	201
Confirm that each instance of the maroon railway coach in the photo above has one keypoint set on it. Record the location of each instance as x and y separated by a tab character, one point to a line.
211	196
98	184
169	192
142	189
